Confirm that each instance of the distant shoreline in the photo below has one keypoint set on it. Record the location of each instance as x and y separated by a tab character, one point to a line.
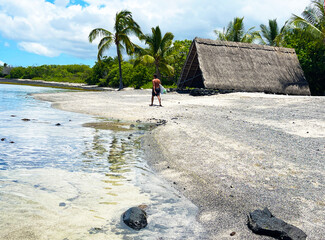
65	85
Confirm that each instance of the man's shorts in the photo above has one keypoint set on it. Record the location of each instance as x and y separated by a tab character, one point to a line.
157	92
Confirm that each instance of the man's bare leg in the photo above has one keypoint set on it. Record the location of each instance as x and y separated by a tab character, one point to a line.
159	100
151	101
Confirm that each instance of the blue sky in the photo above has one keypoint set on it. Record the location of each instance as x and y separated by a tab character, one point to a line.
37	32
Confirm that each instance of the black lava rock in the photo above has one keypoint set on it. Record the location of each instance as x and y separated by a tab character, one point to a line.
202	92
135	218
264	223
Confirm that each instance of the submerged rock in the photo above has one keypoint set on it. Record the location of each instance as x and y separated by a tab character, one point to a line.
135	218
264	223
96	230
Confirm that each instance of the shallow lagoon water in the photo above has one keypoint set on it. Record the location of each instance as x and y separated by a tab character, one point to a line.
60	180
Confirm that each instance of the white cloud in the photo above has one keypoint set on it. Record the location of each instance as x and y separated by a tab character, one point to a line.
279	9
37	48
1	63
53	29
62	3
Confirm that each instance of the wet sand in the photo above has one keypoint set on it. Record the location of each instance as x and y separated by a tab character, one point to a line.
229	154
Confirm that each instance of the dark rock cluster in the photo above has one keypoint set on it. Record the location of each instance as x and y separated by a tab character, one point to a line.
202	92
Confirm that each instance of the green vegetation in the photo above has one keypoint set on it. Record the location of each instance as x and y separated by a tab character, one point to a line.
1	69
235	32
58	73
105	73
159	52
307	37
311	55
166	57
123	27
312	21
271	35
179	53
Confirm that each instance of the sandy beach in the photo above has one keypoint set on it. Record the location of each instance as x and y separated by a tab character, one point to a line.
229	153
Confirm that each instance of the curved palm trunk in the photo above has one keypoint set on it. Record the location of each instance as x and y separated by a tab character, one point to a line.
120	66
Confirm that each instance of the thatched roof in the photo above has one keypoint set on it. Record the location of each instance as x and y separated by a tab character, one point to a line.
243	67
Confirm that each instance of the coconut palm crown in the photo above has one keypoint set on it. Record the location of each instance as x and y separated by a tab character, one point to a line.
271	35
235	32
158	53
312	20
123	27
270	32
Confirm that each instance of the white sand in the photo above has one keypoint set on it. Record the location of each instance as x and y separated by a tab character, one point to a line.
229	154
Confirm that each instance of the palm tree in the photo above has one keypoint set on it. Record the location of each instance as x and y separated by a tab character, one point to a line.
271	33
158	53
235	32
312	20
123	27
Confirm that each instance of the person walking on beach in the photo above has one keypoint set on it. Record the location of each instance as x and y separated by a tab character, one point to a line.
155	90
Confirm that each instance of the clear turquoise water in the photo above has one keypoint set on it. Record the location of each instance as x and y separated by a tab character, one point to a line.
71	182
40	143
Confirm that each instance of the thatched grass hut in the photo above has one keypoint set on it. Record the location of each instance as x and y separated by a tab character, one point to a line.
243	67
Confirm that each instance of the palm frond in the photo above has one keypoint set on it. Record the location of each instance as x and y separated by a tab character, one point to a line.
167	41
312	20
298	22
156	38
270	32
146	60
165	68
105	41
129	46
221	35
310	16
98	32
138	50
235	32
101	51
238	29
